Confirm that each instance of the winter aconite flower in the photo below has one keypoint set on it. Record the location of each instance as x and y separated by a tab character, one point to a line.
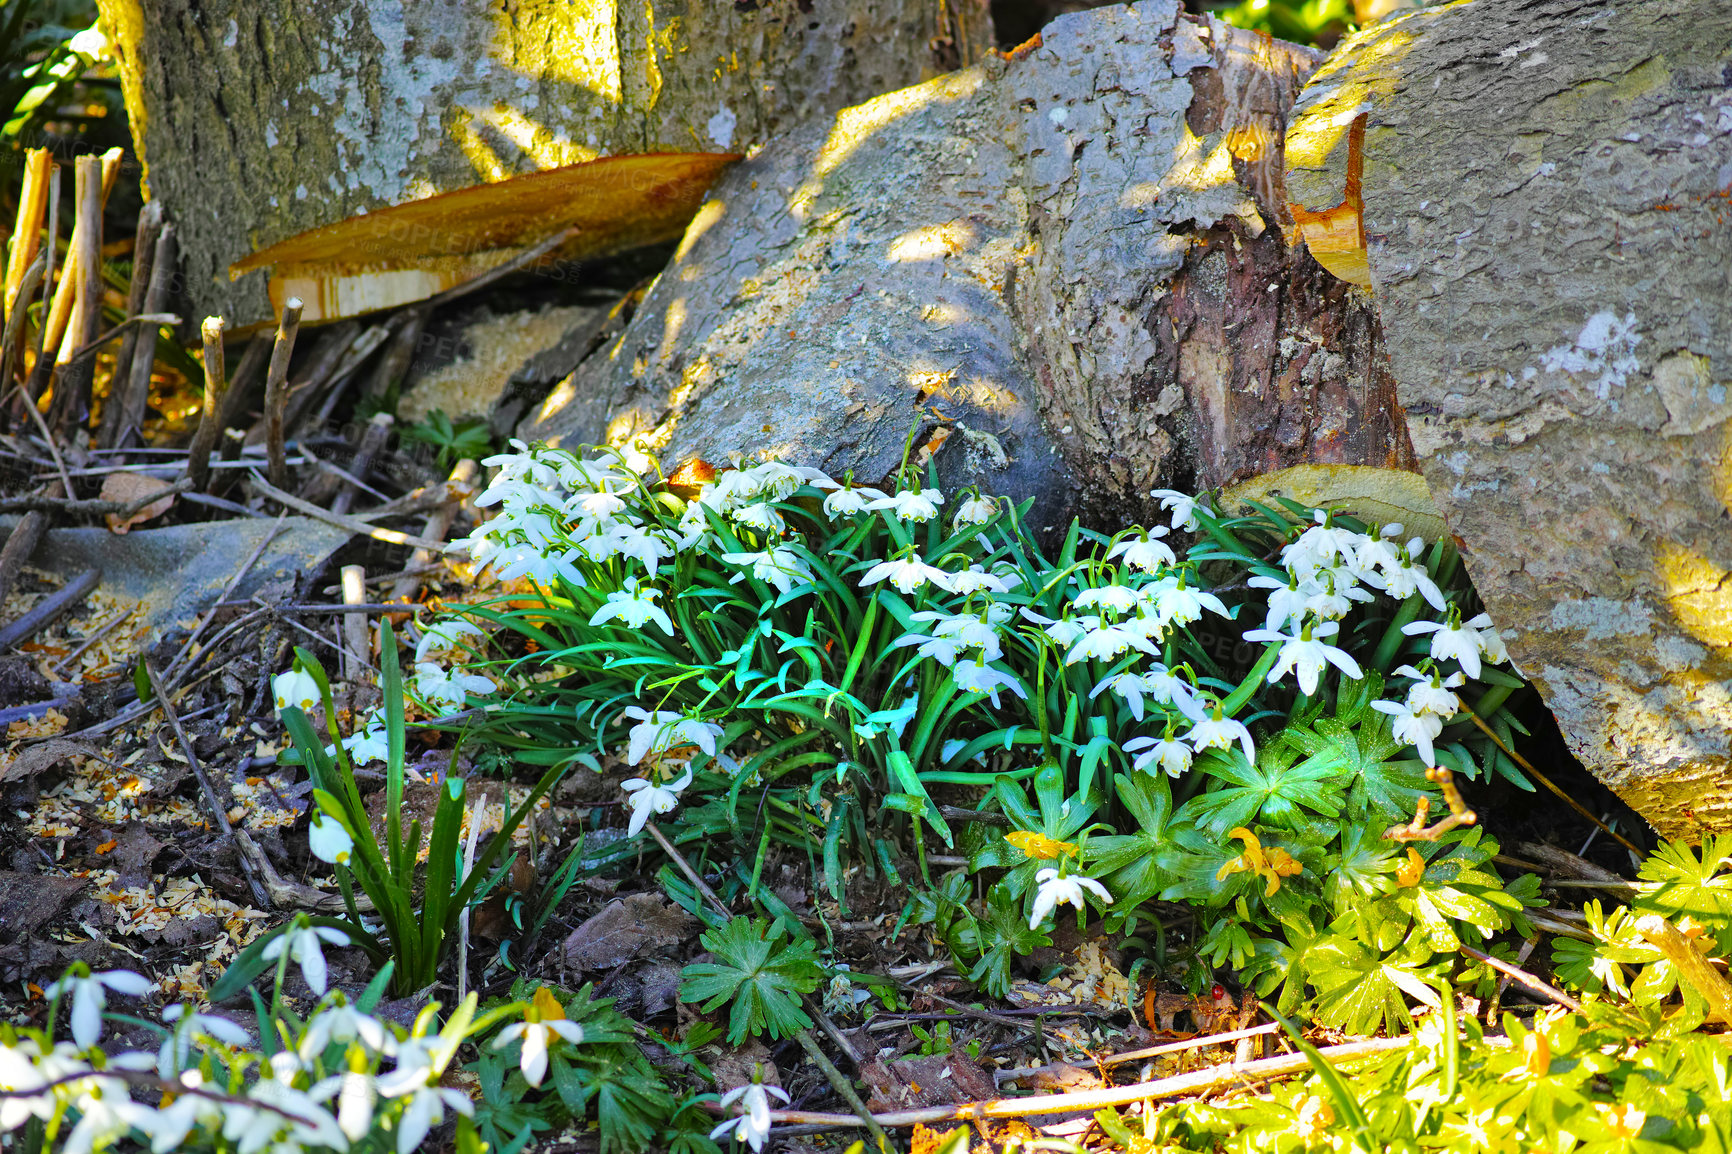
1055	891
1271	864
753	1125
89	996
303	944
543	1022
1038	845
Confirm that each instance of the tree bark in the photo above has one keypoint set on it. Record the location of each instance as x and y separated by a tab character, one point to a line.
1066	266
258	121
1538	193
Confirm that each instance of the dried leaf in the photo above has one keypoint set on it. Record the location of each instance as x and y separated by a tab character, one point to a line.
129	487
36	758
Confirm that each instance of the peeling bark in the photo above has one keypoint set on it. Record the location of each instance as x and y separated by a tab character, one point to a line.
259	121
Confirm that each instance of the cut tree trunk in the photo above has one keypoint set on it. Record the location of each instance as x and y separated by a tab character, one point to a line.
1067	262
1540	194
258	121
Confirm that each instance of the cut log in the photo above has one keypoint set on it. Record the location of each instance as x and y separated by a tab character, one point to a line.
1068	262
1546	193
259	121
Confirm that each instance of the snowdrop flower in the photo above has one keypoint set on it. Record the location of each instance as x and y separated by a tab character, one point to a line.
449	687
597	506
1168	688
1145	552
1459	639
544	1021
178	1045
972	630
1114	597
1163	752
1307	654
1217	732
634	606
1180	604
779	567
168	1127
89	996
1286	599
1405	578
105	1112
1107	642
1129	686
1491	645
907	574
543	569
1055	891
850	501
371	742
343	1023
329	841
1415	729
646	797
778	482
1332	594
426	1109
295	687
974	579
975	510
752	1126
759	516
446	636
664	730
1063	633
1430	692
1182	505
356	1097
1371	554
978	677
911	504
944	650
302	944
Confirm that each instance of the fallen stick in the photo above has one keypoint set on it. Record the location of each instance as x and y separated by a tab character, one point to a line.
342	521
216	386
373	439
143	254
460	484
1189	1044
175	667
14	317
287	895
93	507
49	609
32	712
132	393
1529	980
1179	1085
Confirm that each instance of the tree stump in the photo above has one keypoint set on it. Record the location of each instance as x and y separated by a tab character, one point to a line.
1540	196
1065	266
259	121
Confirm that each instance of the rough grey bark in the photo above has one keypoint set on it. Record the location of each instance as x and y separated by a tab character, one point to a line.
1547	189
1068	260
257	121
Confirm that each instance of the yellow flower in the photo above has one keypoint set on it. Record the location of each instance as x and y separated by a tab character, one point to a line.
1622	1121
1315	1118
1408	873
1038	845
545	1007
1536	1055
1272	864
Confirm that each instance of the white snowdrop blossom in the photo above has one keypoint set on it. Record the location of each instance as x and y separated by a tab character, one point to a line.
974	579
536	1036
647	798
1217	732
1461	640
1307	654
449	686
90	995
1405	578
1430	692
907	574
635	605
760	516
974	510
910	504
371	742
777	481
1183	507
1106	642
447	635
752	1126
1168	688
1066	632
296	687
1177	603
1055	891
426	1109
329	841
779	566
1163	752
177	1047
1416	729
1287	599
848	502
341	1023
664	730
168	1127
1130	687
303	943
978	677
1114	597
1144	552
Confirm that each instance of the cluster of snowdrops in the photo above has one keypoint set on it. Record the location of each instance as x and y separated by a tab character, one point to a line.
836	653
